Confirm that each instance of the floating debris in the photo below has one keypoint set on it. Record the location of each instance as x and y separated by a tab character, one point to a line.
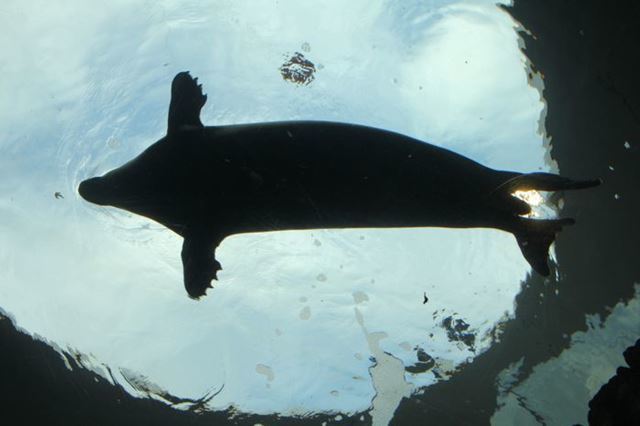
266	371
425	363
305	313
298	70
360	296
457	331
113	143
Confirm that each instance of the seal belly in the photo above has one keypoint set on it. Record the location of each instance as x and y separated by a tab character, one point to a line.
305	175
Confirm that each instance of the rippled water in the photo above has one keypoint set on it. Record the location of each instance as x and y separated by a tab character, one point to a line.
299	322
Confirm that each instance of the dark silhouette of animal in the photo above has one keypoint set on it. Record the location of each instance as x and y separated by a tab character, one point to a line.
208	182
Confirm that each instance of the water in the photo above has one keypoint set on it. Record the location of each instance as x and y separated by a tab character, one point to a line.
315	323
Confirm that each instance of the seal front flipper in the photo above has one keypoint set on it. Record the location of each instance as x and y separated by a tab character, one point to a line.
199	264
186	102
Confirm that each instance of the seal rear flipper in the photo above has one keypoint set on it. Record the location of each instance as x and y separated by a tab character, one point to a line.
545	182
186	102
534	238
199	264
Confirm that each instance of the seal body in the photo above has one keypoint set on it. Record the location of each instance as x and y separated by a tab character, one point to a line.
305	175
206	183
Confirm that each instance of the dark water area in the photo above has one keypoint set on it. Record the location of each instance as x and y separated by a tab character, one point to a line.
585	51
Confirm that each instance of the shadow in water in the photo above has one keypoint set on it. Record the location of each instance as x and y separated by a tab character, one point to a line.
39	388
618	401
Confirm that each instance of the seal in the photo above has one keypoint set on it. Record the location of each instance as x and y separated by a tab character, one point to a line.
206	183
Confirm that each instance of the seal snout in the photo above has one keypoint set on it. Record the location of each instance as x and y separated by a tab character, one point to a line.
92	190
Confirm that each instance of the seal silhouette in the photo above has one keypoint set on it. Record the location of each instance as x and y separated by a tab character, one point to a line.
206	183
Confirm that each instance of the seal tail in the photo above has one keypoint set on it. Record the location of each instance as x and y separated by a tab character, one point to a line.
535	236
513	182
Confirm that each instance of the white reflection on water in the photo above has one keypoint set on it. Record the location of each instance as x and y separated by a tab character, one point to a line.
296	317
